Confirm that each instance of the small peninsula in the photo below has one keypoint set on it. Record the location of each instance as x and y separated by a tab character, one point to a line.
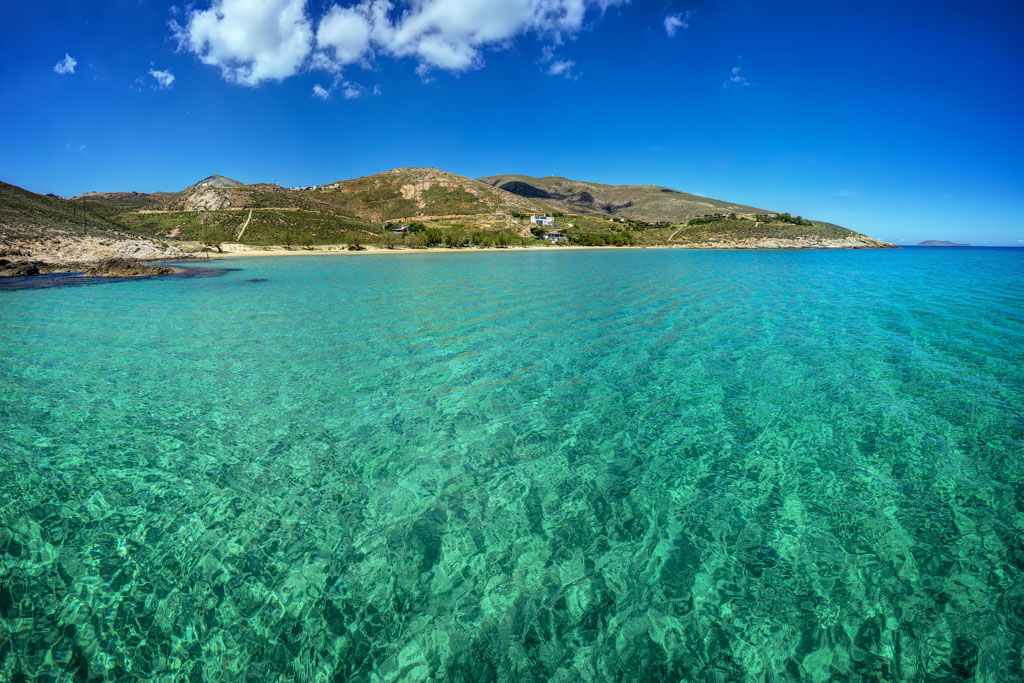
940	243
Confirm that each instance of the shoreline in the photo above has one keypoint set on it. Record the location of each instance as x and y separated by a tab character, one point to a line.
235	252
41	264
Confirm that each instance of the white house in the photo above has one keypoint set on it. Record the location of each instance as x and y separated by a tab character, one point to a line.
556	237
542	220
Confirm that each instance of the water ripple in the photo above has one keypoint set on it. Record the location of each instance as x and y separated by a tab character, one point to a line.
644	465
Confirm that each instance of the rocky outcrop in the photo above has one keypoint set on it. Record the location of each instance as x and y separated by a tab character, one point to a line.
124	267
65	248
19	269
65	253
206	199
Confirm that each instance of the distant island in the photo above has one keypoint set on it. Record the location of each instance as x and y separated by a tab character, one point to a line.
940	243
405	208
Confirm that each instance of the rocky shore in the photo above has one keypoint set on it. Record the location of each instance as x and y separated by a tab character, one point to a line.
95	256
809	242
113	267
126	267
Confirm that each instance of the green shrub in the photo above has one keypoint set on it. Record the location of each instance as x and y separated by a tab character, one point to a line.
433	237
454	239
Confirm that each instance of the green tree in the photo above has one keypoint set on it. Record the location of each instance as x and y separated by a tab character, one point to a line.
454	238
210	237
433	237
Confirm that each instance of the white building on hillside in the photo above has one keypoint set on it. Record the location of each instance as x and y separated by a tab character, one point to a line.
542	220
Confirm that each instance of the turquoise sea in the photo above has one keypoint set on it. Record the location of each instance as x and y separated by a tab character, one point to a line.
552	465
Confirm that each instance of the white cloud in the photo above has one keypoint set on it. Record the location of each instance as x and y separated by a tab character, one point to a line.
556	65
736	78
66	65
164	79
346	30
452	34
321	61
561	67
680	20
250	41
349	91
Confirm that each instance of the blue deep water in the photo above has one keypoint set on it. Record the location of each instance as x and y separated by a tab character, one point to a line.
551	465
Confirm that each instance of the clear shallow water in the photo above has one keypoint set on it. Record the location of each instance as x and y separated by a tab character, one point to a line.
529	466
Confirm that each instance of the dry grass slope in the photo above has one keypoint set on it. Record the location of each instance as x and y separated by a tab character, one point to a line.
419	192
450	208
639	202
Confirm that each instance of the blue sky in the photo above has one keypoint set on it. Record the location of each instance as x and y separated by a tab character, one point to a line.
900	120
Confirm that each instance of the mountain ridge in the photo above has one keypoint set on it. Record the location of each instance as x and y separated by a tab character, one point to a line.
407	207
639	202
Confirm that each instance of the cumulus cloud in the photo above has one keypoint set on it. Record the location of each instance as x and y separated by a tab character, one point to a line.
674	22
250	41
164	78
346	32
452	34
321	92
66	65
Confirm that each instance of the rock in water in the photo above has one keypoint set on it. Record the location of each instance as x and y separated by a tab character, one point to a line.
22	269
126	267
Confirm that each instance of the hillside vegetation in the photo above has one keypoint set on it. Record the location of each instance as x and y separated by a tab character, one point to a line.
427	206
640	202
25	214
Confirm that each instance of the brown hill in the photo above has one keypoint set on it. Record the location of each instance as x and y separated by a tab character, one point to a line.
638	202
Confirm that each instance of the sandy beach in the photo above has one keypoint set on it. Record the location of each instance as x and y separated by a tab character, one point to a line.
245	251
